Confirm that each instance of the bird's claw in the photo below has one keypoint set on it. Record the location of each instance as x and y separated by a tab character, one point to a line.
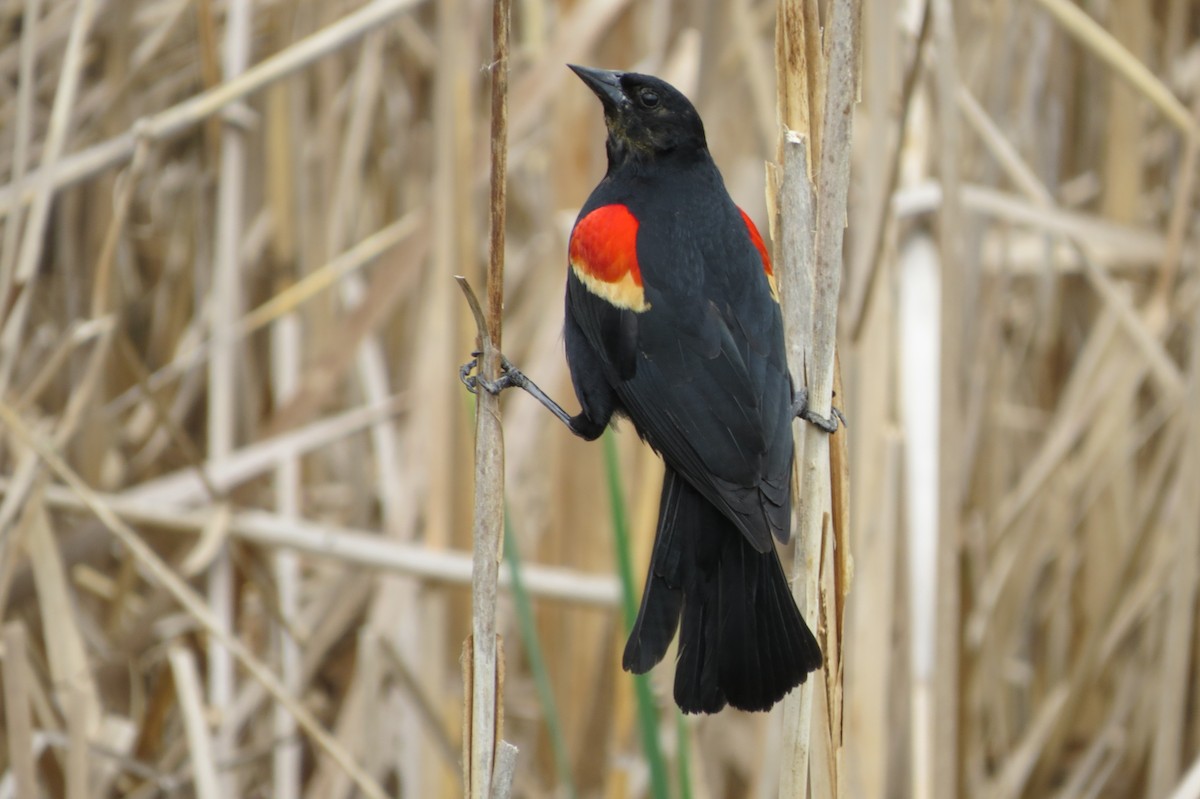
464	374
827	423
509	376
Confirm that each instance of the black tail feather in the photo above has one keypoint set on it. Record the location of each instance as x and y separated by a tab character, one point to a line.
698	686
786	649
743	663
742	640
662	598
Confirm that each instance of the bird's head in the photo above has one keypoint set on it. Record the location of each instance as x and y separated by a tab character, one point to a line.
646	116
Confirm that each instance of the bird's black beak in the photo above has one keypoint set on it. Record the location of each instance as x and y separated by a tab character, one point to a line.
605	83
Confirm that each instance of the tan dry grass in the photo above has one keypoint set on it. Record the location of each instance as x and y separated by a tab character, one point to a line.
1047	156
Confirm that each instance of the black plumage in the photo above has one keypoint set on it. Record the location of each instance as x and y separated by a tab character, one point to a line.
691	349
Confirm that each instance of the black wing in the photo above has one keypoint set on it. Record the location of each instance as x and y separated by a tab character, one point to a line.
705	382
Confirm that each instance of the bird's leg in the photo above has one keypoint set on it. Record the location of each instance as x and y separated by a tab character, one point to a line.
512	377
827	423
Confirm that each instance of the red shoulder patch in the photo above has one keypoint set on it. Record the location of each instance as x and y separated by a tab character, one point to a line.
603	255
761	246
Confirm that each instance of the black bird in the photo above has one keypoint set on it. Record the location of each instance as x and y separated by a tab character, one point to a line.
673	320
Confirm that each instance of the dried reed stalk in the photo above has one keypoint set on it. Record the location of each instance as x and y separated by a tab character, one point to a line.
354	547
224	362
1076	22
936	771
797	247
24	128
179	119
486	708
286	763
33	238
188	598
811	302
205	777
17	715
480	717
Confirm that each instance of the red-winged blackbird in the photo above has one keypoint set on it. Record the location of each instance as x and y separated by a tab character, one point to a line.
672	319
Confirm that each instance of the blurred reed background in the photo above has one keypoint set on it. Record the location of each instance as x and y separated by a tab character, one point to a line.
229	230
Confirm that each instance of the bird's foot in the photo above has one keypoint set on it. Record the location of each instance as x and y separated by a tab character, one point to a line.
510	376
827	423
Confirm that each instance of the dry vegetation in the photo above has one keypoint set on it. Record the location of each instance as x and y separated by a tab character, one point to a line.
236	503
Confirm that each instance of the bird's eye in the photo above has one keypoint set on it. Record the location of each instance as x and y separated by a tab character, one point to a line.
649	98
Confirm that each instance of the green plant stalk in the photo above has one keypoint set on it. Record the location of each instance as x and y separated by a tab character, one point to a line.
684	760
647	713
537	663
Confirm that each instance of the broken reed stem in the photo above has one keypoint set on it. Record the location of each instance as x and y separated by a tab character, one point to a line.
796	250
814	292
506	770
833	189
486	707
